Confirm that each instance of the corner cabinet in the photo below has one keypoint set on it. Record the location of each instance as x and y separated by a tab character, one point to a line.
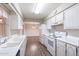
71	17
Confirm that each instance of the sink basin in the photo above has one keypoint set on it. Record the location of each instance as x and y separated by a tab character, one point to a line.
9	45
12	44
3	40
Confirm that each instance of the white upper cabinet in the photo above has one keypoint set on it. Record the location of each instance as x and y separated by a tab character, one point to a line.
43	29
48	24
71	17
59	18
53	20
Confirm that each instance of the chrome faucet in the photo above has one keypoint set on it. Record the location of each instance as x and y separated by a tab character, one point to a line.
66	33
3	40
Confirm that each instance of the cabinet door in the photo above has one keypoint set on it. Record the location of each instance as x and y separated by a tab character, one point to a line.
71	18
42	39
48	24
53	20
44	29
60	48
23	48
71	50
59	18
45	40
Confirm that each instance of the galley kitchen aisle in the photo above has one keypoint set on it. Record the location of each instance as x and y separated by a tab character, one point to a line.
39	29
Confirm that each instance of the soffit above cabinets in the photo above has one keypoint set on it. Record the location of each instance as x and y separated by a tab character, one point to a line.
28	8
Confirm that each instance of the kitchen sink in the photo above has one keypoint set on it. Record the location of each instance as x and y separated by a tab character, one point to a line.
12	44
8	45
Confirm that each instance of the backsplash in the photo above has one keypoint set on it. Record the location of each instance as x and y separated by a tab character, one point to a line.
72	32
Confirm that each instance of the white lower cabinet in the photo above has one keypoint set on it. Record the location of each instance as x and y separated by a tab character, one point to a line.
45	41
51	50
71	50
60	48
41	39
23	48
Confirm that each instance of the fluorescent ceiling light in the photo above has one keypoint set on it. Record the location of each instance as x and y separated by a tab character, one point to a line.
38	8
33	27
31	22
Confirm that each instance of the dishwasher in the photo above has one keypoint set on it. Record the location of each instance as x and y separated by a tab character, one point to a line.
51	46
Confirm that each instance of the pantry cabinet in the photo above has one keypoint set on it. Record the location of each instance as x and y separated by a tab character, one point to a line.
71	17
71	50
60	48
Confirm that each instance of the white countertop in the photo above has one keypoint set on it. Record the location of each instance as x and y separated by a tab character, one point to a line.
70	40
11	47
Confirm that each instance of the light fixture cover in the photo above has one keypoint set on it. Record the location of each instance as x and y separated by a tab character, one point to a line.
38	8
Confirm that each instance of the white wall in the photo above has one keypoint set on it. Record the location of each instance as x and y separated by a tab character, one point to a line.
31	29
72	32
34	20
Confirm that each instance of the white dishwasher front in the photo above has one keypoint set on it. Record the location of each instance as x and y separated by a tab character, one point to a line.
51	46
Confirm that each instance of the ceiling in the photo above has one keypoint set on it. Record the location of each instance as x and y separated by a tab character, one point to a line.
27	10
